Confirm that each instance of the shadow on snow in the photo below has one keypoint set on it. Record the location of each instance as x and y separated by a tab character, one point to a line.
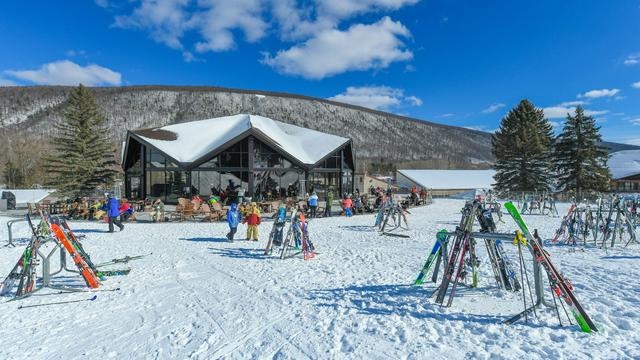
402	300
239	253
205	239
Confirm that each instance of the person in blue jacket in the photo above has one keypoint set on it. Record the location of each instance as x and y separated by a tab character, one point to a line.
313	204
281	220
112	207
233	219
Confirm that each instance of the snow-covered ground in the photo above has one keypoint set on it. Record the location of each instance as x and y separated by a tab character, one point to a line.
198	296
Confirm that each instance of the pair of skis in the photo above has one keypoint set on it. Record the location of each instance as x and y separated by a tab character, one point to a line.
562	288
24	272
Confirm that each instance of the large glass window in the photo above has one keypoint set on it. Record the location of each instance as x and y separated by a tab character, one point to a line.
156	184
206	182
265	157
155	159
176	186
237	156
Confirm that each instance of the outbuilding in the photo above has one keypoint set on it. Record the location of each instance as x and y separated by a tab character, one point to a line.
625	170
242	154
447	183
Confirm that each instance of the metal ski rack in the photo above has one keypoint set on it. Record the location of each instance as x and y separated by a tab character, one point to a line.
9	225
47	274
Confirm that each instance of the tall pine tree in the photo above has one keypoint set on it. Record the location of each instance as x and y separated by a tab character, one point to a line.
84	158
522	148
581	163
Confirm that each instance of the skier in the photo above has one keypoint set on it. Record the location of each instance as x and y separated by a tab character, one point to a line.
347	203
252	220
125	210
158	210
313	204
327	208
233	218
113	212
281	220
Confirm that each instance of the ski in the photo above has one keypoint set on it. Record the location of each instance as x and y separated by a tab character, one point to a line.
559	283
433	255
87	273
58	303
101	273
125	259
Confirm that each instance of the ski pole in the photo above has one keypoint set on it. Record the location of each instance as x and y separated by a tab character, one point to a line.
58	303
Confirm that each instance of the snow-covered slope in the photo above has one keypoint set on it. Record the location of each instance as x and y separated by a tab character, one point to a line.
198	296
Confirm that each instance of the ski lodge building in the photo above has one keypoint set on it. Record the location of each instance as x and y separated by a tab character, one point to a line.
625	171
462	184
252	155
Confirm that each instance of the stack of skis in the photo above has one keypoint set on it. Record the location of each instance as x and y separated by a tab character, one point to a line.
295	241
391	217
456	253
601	224
56	230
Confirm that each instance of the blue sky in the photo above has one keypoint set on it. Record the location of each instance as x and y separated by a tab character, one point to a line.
462	63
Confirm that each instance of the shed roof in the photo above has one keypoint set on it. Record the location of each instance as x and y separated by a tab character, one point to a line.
624	163
451	179
189	142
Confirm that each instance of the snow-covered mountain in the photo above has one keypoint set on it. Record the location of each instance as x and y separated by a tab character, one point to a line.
378	136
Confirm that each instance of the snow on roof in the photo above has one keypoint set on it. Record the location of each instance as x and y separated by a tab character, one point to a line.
24	196
624	163
451	179
188	142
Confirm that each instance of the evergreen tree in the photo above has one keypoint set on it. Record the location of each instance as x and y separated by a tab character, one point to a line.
522	148
580	162
84	158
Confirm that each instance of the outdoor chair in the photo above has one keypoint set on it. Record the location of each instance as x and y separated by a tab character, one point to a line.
217	212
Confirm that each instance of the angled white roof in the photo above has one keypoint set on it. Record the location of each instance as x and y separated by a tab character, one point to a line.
624	163
192	140
451	179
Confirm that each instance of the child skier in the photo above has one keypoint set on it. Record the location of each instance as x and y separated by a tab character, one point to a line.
252	220
233	218
347	204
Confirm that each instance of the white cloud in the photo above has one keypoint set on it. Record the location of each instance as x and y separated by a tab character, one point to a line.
636	85
376	97
65	72
331	52
632	59
594	94
221	17
165	20
558	112
218	23
635	121
493	108
446	115
299	21
573	103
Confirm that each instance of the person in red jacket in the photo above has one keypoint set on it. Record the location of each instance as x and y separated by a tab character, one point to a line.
252	220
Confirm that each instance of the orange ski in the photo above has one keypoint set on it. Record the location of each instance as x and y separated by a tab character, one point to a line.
88	274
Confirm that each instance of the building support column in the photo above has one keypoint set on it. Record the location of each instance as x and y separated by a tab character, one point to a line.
250	190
